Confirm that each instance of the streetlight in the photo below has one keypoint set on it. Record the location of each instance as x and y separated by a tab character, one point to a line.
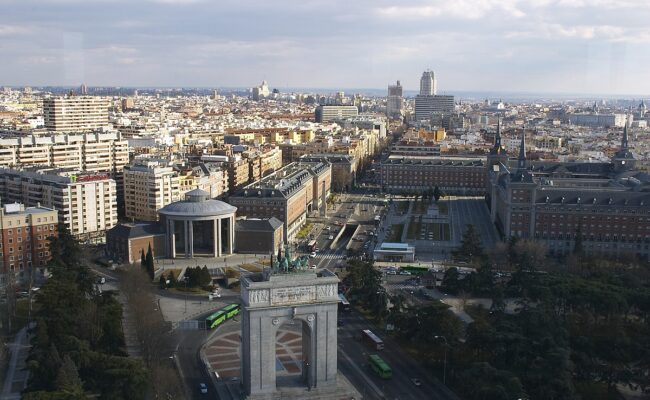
444	369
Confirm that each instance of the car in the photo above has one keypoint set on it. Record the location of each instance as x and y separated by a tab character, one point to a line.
313	267
404	273
330	237
391	272
312	255
328	228
203	388
416	382
101	280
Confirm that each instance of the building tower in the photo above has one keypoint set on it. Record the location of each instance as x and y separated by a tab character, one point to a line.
394	103
428	84
623	160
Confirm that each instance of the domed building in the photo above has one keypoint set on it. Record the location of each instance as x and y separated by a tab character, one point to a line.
198	226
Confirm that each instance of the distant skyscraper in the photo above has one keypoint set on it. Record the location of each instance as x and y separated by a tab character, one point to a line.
428	84
83	89
394	102
261	92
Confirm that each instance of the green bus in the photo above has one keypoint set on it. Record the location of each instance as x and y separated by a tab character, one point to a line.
380	367
231	310
215	319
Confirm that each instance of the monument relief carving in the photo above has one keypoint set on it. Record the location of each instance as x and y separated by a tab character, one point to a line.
259	296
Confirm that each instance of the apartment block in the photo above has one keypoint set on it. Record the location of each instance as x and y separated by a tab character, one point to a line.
94	152
329	113
287	194
85	202
149	185
75	113
24	244
238	173
210	177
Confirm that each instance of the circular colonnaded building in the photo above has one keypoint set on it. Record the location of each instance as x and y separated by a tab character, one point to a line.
198	226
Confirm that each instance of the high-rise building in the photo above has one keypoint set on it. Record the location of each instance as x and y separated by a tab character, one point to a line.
149	185
86	203
75	113
427	105
25	233
394	103
261	92
428	84
83	90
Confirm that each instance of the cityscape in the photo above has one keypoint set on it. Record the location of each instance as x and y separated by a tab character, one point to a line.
275	237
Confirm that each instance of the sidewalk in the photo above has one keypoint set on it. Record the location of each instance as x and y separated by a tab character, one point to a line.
17	375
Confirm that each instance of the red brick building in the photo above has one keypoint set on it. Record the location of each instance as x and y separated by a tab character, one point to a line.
24	234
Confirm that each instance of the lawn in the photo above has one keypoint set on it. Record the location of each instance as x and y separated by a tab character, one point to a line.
395	233
415	225
304	231
420	206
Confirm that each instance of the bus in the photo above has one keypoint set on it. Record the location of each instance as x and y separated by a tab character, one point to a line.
344	305
380	366
231	310
311	246
215	319
372	339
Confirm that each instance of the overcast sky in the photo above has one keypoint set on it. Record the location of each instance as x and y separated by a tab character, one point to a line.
567	46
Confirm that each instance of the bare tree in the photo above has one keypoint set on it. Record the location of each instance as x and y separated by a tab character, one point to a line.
153	334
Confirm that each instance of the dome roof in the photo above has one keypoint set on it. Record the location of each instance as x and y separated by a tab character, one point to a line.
198	204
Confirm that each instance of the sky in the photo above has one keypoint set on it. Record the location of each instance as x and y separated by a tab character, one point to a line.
544	46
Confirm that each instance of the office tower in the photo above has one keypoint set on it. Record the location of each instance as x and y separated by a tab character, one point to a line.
83	90
428	84
394	103
149	185
328	113
426	106
75	113
86	202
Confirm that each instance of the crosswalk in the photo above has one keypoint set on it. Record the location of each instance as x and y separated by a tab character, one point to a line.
329	255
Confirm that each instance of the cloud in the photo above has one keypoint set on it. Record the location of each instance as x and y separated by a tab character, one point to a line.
462	9
10	30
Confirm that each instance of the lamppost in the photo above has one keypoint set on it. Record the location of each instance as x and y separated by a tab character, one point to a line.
444	369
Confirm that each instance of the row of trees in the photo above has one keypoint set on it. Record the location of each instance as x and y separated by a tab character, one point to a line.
78	344
194	277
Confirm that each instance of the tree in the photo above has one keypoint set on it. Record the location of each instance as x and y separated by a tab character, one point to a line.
150	263
143	260
451	280
437	193
578	248
470	248
172	280
67	378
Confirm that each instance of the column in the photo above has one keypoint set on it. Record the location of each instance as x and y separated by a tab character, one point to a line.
231	234
215	237
171	231
191	240
185	237
219	238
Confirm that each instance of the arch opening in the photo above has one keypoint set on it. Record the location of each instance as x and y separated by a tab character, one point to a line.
292	354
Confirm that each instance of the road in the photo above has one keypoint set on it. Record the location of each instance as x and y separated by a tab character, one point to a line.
353	355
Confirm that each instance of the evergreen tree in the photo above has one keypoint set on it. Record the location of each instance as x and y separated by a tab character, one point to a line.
451	281
67	378
437	193
149	263
143	260
470	248
578	249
